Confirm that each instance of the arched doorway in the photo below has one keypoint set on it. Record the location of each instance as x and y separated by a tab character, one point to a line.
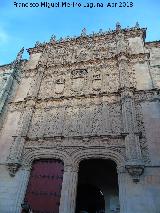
44	186
97	190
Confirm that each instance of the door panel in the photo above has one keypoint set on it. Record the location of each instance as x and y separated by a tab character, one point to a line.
44	187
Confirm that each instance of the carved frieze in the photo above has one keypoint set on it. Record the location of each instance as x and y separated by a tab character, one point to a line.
83	119
83	50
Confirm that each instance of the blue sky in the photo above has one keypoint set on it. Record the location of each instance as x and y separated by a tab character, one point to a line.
24	26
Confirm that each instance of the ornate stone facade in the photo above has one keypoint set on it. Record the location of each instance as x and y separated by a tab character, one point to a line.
93	96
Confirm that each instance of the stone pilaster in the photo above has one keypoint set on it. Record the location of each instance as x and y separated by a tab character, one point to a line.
16	150
69	190
134	164
122	181
24	178
133	151
34	89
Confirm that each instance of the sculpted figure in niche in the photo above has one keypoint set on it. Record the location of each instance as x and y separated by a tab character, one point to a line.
121	43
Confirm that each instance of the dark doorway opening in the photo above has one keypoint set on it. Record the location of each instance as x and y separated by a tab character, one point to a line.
97	190
90	199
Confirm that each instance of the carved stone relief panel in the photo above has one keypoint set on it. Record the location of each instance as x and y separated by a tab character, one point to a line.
38	124
84	141
73	125
122	43
115	118
132	76
46	88
78	77
142	133
105	78
55	121
59	85
80	80
93	119
80	51
97	81
76	119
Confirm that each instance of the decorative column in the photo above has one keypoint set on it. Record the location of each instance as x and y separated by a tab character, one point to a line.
134	164
24	178
122	181
69	190
16	150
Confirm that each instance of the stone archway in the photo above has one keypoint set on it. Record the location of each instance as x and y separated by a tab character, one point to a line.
70	176
69	186
31	155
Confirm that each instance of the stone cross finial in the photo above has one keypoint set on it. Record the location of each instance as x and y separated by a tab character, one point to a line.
18	58
100	31
137	25
60	39
19	55
93	33
84	32
53	38
37	43
118	26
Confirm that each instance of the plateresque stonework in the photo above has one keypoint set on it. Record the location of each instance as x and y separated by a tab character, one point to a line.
88	97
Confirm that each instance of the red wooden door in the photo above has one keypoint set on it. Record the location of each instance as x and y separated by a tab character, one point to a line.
44	187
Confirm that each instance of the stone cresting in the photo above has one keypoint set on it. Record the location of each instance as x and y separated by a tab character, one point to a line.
83	96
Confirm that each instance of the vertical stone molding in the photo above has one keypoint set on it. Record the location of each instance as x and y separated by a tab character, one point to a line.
133	150
122	188
35	86
69	190
24	177
16	150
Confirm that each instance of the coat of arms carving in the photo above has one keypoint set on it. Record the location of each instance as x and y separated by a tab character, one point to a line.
59	85
97	81
78	79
